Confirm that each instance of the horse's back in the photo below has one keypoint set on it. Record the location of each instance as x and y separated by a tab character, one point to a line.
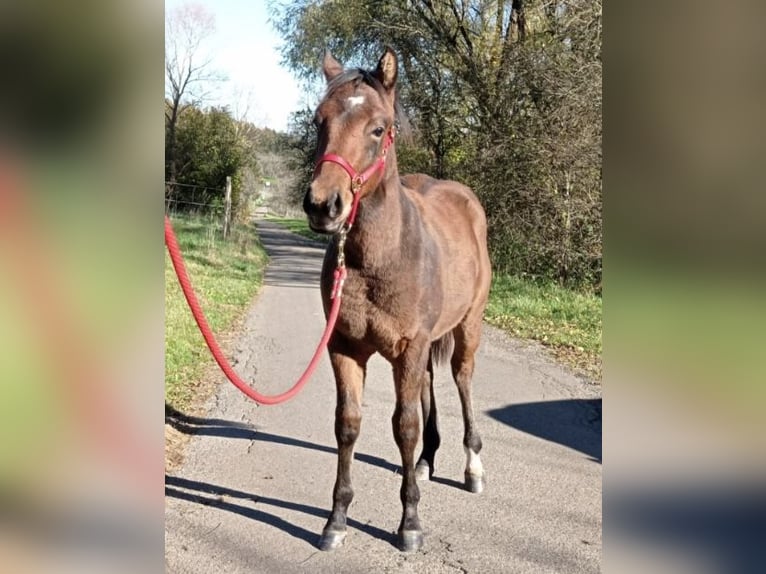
456	220
448	203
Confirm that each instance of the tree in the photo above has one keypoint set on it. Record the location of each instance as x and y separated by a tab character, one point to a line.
303	143
188	72
210	147
505	96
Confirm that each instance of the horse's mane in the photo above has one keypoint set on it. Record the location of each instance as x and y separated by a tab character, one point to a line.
358	75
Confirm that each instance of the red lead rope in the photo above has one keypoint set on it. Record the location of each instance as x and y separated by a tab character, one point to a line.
199	317
357	180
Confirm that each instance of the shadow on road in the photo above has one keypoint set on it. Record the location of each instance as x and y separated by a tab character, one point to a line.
575	423
295	261
215	496
228	429
448	482
292	278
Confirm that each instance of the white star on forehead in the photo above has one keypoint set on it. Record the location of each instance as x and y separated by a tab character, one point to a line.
353	101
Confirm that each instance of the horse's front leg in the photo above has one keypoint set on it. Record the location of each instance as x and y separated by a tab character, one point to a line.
410	376
349	368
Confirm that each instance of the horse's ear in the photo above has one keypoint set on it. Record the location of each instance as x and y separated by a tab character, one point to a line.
386	71
330	66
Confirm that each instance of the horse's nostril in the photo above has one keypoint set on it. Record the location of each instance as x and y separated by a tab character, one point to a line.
334	205
308	205
338	203
329	208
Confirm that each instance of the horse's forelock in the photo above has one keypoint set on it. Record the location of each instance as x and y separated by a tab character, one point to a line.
355	75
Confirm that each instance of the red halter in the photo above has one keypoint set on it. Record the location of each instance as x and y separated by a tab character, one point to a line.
358	179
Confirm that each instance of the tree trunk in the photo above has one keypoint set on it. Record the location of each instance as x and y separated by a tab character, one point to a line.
171	159
567	239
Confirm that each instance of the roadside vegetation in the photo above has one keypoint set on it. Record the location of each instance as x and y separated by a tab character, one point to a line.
566	321
226	275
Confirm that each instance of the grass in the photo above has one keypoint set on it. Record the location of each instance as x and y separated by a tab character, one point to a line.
226	275
300	227
567	322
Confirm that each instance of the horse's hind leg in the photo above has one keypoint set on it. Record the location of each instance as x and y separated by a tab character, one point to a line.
349	368
467	336
424	469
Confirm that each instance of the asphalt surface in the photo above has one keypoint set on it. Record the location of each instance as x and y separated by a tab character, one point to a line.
256	486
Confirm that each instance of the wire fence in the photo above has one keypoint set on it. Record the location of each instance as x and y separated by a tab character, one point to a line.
194	198
174	206
195	202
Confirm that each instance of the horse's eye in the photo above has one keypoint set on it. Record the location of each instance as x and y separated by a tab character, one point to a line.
377	132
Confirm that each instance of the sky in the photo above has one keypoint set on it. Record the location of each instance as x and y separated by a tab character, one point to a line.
245	48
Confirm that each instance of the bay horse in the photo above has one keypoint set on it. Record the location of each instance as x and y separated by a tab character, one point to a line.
417	284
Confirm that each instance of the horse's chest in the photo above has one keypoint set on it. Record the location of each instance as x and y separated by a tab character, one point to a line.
378	311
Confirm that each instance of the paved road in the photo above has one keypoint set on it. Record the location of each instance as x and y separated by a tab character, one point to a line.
255	489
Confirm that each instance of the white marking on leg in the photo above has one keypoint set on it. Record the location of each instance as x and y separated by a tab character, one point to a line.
473	463
354	101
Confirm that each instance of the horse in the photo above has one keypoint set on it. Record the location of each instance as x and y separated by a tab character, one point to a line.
418	278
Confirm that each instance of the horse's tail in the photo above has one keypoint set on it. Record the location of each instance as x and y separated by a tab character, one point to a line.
441	349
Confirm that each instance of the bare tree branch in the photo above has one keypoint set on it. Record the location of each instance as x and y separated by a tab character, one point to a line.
187	70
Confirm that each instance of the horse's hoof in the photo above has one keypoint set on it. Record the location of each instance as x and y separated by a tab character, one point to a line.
423	471
410	540
474	483
331	540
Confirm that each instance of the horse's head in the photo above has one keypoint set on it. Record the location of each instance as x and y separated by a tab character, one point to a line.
355	123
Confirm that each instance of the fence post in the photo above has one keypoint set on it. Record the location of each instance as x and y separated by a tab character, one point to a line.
227	211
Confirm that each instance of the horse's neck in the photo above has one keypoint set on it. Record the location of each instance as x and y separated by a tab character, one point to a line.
378	235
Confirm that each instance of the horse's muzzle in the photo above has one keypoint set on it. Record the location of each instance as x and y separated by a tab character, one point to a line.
324	216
